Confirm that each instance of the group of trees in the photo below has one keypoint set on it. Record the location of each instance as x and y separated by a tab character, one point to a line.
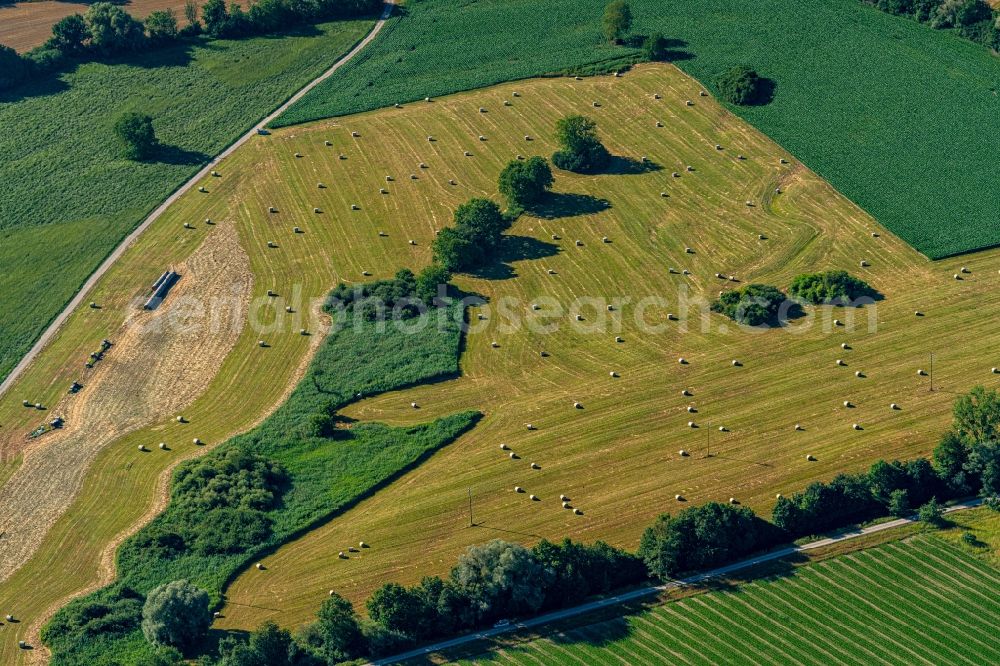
107	30
741	85
405	295
524	182
761	304
973	19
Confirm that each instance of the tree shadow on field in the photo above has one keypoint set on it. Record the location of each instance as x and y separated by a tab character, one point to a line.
629	166
601	635
559	204
674	48
167	154
765	92
515	248
43	85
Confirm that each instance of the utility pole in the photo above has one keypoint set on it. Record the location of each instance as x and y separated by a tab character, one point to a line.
471	524
932	372
708	453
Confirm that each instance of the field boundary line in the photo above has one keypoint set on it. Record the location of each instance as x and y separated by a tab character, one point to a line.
656	589
109	261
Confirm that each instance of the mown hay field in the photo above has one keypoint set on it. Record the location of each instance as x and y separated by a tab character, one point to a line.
900	118
914	602
617	456
69	197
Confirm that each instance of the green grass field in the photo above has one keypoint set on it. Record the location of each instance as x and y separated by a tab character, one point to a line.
68	198
867	100
914	602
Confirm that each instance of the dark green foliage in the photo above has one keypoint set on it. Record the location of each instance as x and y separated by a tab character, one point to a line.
473	240
845	500
336	635
113	30
899	503
580	149
580	571
973	19
703	537
215	16
282	476
739	85
69	35
617	20
752	305
161	26
135	133
931	513
176	614
831	287
403	297
656	47
13	68
524	182
950	459
501	579
977	415
984	464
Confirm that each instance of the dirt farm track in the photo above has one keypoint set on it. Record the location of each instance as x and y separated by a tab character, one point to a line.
25	25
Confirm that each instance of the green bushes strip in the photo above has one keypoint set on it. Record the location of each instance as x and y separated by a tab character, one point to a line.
262	488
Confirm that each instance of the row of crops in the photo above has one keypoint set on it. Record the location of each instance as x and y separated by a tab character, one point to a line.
920	601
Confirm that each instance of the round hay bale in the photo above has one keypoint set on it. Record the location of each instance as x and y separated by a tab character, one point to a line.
495	344
683	453
596	105
355	207
692	409
566	505
318	211
692	424
366	273
260	566
382	234
518	489
342	555
328	143
482	110
856	426
858	373
303	331
25	403
578	512
893	406
679	498
810	457
412	242
196	441
664	195
840	361
187	225
513	456
141	447
423	165
362	544
921	373
848	404
430	138
533	498
718	147
23	645
535	466
844	345
837	322
563	498
689	168
180	419
527	137
918	313
733	500
723	429
605	239
516	94
504	447
298	154
272	244
543	354
659	124
355	134
551	272
613	373
414	405
506	102
864	264
482	138
761	237
467	153
619	339
702	93
261	343
688	103
965	270
782	161
957	276
675	174
427	99
995	370
778	496
736	363
163	446
578	405
686	393
682	360
388	179
529	426
452	182
296	230
741	157
342	156
688	250
579	317
201	188
749	203
798	427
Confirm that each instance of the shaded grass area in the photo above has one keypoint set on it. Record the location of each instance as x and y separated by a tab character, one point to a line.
69	198
880	605
326	475
886	109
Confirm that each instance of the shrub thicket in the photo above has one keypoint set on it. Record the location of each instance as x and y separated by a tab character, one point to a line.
176	614
136	135
975	20
831	287
403	297
617	20
753	304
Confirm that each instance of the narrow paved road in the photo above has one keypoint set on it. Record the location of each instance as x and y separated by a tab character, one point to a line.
183	189
649	591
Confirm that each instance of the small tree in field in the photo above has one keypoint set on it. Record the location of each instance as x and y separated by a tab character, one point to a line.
135	132
617	20
176	614
580	149
657	47
739	85
931	513
524	182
